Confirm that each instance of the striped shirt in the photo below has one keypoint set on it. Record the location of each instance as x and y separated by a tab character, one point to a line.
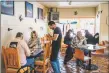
34	44
76	43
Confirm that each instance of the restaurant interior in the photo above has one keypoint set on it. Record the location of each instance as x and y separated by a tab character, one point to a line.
27	16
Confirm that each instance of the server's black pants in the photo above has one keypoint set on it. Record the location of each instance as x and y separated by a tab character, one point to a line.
68	54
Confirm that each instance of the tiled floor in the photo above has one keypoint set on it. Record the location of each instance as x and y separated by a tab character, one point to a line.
101	62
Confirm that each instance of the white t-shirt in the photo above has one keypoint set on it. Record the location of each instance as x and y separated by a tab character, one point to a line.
22	49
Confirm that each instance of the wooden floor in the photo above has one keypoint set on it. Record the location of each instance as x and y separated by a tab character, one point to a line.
100	61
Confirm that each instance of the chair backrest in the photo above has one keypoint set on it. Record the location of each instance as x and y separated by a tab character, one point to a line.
11	57
100	51
79	54
47	47
102	43
47	50
106	43
26	69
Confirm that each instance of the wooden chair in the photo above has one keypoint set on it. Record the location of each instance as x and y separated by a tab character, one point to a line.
107	47
102	43
42	42
11	59
43	66
26	69
63	48
49	45
79	54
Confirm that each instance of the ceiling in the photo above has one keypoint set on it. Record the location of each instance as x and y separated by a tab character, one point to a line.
70	4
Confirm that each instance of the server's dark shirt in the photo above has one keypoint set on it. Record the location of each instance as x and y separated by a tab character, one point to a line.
56	44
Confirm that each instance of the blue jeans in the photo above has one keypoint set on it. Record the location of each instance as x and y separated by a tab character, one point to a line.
86	52
55	66
30	62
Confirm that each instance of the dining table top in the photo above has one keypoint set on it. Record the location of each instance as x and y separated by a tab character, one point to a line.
35	53
94	47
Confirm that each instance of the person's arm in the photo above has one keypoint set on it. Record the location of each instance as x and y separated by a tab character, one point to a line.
29	43
57	31
82	43
81	46
32	43
39	43
85	41
74	43
26	48
55	37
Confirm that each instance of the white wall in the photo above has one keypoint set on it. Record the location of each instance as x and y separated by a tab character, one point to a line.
97	26
104	33
23	26
82	12
14	23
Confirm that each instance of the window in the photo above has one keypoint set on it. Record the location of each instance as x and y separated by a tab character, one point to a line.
77	24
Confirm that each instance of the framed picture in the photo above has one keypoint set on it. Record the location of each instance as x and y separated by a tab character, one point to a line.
28	9
40	13
7	7
55	16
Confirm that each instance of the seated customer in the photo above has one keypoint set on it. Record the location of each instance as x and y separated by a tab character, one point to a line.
96	38
89	37
22	46
69	51
34	42
80	42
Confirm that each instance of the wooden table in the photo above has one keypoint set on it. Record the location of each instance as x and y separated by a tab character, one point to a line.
36	53
92	48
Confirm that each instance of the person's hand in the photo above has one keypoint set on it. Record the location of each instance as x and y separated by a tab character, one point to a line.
50	34
31	52
84	39
34	47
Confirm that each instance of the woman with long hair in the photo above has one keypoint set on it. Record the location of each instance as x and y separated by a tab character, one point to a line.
80	43
89	37
34	42
69	51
